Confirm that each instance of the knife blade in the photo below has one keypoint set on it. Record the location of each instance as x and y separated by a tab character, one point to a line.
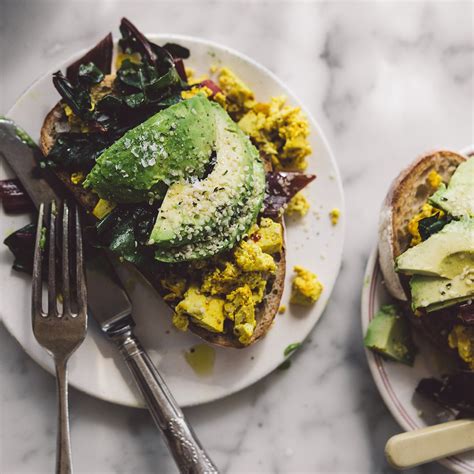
107	300
110	306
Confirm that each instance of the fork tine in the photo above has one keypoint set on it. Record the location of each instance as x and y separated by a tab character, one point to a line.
52	305
65	262
37	287
80	279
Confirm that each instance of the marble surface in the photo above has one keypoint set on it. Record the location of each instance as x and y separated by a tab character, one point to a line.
386	81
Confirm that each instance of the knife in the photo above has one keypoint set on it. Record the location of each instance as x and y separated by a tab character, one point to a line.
110	306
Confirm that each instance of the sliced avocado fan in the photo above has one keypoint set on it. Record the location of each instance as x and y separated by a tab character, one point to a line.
194	157
442	267
192	211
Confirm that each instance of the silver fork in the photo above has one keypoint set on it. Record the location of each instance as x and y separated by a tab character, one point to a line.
60	333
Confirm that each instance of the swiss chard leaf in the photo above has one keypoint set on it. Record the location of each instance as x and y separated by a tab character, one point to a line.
89	74
78	151
100	55
14	198
22	244
133	41
281	187
77	97
454	391
177	51
431	225
125	231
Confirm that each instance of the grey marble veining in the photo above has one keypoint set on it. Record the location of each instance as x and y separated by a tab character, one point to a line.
386	81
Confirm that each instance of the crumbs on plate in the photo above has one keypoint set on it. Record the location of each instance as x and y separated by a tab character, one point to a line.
306	288
334	215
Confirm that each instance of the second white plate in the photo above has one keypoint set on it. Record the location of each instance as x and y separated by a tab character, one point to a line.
397	382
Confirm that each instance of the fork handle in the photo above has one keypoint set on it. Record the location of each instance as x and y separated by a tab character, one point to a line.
182	441
63	449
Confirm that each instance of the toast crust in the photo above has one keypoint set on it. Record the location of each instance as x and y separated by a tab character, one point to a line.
407	194
265	312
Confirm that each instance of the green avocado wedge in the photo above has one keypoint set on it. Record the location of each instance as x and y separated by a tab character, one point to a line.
172	145
193	211
225	237
433	293
458	198
389	334
444	254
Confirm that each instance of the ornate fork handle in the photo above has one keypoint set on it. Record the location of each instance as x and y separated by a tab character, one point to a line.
183	443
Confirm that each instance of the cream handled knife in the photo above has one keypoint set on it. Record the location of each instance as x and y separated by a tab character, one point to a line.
110	306
424	445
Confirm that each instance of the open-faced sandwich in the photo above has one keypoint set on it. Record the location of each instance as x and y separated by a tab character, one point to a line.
187	178
426	253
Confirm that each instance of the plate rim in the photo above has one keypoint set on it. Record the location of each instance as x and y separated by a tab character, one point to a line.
321	137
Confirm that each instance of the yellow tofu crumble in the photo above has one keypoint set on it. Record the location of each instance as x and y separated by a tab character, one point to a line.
279	131
240	99
298	205
227	287
102	208
306	288
334	215
434	179
426	211
462	339
78	177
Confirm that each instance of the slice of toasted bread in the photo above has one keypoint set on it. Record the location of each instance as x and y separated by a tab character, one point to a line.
265	311
405	198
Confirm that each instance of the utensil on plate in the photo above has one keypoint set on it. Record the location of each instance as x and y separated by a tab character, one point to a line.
110	305
424	445
60	332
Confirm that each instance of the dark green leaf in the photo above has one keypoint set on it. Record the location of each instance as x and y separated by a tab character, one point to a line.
78	151
430	225
76	97
285	365
125	231
157	89
291	348
135	100
89	74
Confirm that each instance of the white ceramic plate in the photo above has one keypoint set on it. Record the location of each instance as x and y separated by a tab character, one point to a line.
96	368
397	382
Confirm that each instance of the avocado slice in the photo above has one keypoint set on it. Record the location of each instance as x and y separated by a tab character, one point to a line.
444	254
458	198
194	210
223	238
389	335
174	144
433	293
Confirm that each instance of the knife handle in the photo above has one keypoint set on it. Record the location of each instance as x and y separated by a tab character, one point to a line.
182	441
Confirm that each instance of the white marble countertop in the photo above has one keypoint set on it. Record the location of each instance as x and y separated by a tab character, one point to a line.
386	81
